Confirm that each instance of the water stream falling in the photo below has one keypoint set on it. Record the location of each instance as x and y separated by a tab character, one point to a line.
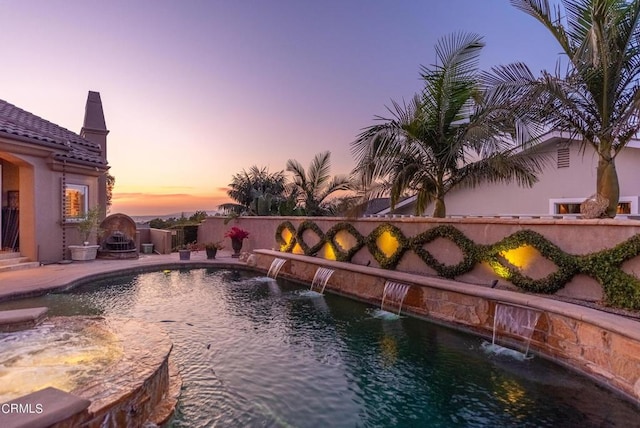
275	267
516	321
394	293
321	278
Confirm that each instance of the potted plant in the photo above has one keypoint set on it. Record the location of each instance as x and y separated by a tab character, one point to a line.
237	235
212	249
185	252
86	226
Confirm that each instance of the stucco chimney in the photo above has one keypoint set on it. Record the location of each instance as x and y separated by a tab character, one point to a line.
94	127
95	130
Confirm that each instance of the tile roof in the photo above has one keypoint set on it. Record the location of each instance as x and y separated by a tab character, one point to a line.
16	122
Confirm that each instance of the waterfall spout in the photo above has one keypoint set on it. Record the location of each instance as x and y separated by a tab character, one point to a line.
321	278
518	321
275	267
394	293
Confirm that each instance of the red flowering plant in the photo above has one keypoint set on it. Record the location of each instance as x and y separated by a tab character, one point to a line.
236	233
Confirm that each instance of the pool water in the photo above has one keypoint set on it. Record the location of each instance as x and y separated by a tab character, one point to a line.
256	352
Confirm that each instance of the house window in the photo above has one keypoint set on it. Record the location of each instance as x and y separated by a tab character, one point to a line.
76	201
624	208
563	157
574	208
567	208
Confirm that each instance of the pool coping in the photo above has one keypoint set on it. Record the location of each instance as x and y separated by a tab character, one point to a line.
21	284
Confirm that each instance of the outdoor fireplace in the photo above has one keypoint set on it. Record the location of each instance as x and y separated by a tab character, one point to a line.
118	238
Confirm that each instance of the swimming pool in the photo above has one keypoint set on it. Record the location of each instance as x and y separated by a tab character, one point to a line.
255	352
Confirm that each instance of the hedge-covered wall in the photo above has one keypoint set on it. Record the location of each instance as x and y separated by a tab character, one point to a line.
621	289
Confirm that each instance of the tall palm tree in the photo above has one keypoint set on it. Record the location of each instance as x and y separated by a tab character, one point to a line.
454	133
315	185
257	192
598	97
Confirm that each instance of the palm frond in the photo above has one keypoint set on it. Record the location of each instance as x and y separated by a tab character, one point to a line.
318	173
550	17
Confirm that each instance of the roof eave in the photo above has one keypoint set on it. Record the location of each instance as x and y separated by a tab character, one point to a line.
35	141
77	165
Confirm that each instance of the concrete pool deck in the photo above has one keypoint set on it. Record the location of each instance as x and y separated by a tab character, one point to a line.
41	280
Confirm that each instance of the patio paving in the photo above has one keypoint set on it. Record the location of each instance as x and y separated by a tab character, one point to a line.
43	279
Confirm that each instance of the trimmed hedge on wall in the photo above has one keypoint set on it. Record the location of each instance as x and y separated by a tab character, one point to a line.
621	289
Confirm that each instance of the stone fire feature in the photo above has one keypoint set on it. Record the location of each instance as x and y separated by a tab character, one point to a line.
118	238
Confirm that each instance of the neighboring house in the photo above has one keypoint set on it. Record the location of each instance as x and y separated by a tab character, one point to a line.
568	179
49	178
382	206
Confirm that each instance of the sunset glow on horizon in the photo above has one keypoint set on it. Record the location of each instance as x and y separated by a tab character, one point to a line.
194	92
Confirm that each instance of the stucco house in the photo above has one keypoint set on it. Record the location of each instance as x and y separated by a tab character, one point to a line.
568	179
49	178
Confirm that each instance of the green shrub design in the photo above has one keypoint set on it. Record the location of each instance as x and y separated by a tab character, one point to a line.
309	225
621	289
343	255
469	250
286	247
387	262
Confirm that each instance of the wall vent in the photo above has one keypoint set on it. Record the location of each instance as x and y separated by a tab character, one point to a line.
563	157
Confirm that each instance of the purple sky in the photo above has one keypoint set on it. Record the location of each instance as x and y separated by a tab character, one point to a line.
195	91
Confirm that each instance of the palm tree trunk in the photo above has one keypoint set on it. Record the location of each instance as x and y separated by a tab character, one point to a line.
439	210
607	184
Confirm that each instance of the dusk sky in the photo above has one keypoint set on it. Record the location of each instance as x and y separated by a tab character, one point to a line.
194	91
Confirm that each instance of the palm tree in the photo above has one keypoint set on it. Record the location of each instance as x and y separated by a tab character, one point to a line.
315	185
454	133
257	192
598	98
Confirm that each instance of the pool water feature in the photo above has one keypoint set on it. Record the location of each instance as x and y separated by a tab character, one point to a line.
394	293
275	267
253	353
321	278
515	321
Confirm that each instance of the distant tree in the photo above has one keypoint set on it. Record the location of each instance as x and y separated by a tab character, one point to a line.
111	182
158	223
198	216
314	186
256	192
289	206
183	220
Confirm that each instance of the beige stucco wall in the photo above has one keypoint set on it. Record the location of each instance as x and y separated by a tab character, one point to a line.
161	240
576	181
41	232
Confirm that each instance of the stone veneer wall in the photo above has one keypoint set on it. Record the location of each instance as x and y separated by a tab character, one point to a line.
602	345
131	390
